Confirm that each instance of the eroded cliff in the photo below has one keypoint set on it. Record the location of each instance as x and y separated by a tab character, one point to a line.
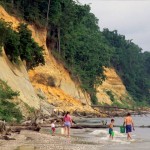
112	86
52	82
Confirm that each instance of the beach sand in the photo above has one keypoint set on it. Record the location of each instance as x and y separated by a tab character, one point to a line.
30	140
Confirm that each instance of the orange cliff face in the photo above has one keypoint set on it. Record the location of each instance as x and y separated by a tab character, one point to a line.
114	85
65	95
55	82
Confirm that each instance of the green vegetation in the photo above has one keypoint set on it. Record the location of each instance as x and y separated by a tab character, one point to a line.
111	95
8	110
20	44
73	34
131	64
76	40
28	49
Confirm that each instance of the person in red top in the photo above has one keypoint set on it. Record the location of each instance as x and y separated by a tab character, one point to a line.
67	123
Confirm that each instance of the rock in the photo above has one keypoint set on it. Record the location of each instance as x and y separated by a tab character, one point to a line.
39	121
8	138
2	126
5	137
26	123
29	138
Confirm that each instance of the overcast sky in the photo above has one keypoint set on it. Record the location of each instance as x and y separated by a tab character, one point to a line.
130	17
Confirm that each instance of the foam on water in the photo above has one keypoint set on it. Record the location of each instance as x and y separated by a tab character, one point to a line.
100	132
105	133
119	138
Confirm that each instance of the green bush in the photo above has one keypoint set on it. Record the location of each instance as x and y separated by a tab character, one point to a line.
20	44
8	109
110	94
11	45
3	30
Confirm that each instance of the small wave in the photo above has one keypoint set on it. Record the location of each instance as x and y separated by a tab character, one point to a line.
118	134
119	138
100	132
105	133
121	141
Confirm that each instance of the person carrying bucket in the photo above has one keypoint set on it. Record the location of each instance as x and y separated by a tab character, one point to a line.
128	121
111	132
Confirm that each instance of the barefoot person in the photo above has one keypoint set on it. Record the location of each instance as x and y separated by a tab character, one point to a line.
128	121
67	123
53	127
111	132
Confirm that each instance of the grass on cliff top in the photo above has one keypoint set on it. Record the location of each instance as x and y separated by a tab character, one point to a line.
8	110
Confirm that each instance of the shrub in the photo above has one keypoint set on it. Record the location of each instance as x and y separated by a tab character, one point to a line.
11	46
6	92
20	44
30	51
8	110
110	94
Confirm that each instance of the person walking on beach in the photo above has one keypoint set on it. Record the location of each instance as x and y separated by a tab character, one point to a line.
128	121
67	123
53	127
111	132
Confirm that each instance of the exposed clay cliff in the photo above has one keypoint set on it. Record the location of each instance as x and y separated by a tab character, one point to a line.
114	85
52	82
64	94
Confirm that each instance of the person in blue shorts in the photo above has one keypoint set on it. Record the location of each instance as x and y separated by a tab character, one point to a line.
128	121
111	132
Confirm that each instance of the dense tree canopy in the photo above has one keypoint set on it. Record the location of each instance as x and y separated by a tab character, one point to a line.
76	40
20	44
131	64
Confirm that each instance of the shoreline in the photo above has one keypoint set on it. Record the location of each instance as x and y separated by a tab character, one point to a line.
31	140
43	140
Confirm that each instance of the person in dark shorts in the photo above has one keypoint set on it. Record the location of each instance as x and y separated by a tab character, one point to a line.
111	132
128	121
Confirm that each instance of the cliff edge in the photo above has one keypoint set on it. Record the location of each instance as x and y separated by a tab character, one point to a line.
52	82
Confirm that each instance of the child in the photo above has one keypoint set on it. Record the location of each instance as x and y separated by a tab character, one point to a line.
53	127
111	132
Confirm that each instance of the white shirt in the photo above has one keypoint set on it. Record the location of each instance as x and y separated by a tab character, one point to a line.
53	125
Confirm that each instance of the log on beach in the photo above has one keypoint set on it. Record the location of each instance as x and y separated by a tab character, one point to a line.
81	126
144	126
19	128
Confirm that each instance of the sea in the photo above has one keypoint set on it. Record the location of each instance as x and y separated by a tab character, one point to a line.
140	137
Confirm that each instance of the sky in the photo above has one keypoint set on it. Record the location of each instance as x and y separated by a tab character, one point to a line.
130	17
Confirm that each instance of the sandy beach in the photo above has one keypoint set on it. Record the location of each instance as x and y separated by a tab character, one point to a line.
82	139
30	140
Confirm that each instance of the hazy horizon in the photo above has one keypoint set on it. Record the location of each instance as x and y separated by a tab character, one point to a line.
128	17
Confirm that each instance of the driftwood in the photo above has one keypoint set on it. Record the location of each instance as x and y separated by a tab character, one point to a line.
17	129
80	126
5	137
145	126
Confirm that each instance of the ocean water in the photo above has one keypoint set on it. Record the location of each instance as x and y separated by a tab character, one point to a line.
140	137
